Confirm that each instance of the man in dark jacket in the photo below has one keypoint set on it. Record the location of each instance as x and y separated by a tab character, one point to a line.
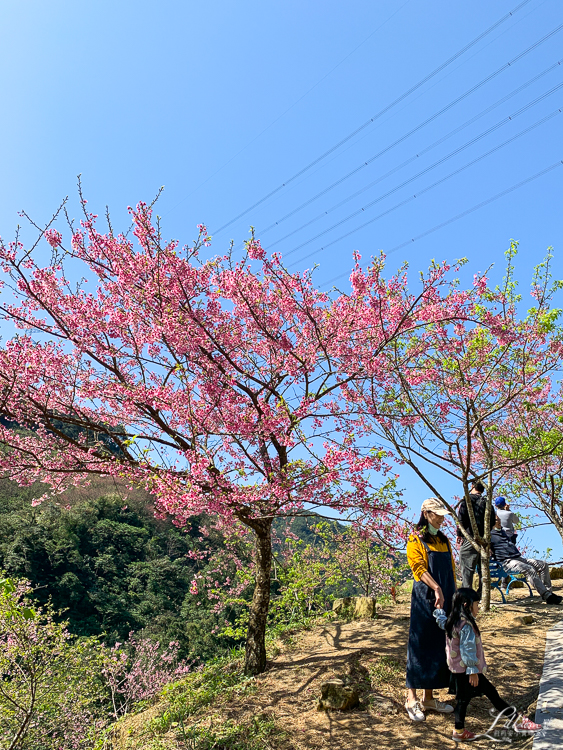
469	557
536	571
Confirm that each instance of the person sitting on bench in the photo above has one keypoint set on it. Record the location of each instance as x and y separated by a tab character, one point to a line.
507	518
536	571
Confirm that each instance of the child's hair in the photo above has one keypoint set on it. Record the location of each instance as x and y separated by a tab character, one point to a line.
422	526
462	602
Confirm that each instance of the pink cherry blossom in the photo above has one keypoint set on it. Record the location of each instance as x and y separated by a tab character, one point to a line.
221	387
53	237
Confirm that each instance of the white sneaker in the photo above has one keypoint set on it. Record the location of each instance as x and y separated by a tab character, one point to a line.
415	711
439	706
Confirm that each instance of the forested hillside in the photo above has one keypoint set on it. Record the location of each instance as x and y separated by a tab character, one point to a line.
100	555
109	564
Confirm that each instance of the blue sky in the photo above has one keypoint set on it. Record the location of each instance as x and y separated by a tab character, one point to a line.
224	102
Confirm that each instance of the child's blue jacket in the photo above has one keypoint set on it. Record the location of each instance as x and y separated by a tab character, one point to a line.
467	644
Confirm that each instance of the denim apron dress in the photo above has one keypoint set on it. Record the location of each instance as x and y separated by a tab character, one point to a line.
426	653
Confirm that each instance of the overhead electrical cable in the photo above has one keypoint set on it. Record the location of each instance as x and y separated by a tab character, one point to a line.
474	208
291	106
483	134
407	161
434	184
424	92
418	127
379	114
468	211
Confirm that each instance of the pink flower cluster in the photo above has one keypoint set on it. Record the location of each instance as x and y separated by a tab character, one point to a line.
53	237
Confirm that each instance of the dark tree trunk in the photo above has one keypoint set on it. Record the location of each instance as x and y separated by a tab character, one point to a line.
485	579
255	661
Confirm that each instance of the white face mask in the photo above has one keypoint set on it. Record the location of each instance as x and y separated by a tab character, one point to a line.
431	529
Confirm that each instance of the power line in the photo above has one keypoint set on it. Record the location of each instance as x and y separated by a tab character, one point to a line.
434	184
386	109
314	86
462	214
475	208
425	91
414	130
400	166
443	159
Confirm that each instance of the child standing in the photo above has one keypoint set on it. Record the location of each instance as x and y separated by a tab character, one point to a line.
466	661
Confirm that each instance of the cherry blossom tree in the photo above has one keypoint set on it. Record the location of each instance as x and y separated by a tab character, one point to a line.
536	435
444	411
138	670
216	385
49	694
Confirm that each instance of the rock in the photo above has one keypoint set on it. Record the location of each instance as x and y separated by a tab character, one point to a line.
356	672
524	620
340	605
337	696
364	607
382	705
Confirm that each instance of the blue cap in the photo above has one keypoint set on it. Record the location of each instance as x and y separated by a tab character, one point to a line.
500	501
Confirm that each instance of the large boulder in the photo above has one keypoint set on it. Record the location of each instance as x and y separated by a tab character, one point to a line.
336	695
364	607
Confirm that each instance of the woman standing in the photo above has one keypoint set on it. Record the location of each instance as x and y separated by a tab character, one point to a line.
430	557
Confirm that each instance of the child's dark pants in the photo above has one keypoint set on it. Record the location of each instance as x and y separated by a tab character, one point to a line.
465	692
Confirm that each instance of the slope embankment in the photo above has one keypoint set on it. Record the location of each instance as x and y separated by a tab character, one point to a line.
218	707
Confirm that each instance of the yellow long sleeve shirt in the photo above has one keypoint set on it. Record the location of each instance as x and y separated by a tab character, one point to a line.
417	555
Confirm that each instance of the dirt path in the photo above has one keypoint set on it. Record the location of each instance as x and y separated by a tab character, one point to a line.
374	654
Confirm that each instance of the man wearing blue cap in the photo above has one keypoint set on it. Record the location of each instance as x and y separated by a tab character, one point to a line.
536	571
507	518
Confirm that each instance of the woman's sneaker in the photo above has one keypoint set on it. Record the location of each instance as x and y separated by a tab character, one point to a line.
436	705
415	711
525	725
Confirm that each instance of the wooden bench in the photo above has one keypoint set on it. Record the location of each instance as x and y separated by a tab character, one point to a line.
499	574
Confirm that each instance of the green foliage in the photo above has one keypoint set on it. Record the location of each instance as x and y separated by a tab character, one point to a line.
49	692
308	573
218	680
255	735
7	603
383	670
112	567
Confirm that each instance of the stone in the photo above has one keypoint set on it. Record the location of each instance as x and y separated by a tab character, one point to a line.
340	605
383	706
364	607
524	620
338	696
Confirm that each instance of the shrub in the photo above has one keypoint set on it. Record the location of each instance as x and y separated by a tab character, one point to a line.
49	695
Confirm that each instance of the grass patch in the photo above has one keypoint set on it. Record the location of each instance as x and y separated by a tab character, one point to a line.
218	680
170	725
259	733
383	670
